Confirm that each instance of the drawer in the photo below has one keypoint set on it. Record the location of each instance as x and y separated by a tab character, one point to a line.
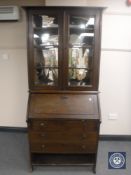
64	125
63	148
63	137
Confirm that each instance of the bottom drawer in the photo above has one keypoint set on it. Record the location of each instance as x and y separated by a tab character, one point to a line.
63	148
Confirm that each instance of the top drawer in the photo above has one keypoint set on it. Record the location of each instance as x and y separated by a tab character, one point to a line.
64	125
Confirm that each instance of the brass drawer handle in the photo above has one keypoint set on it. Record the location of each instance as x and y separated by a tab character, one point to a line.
42	146
83	146
42	124
42	135
83	136
83	121
64	97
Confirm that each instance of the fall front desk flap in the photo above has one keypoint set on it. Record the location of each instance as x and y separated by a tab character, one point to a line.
64	106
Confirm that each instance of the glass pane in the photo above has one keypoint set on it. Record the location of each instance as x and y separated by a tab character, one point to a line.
46	49
45	30
79	66
81	42
47	66
50	57
78	77
46	76
81	31
79	57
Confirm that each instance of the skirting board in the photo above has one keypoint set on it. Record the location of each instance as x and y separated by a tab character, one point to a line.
13	129
115	137
102	137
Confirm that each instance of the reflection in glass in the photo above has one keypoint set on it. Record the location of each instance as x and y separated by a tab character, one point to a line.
78	58
46	49
46	76
50	57
79	66
46	64
81	40
45	21
78	77
45	30
81	30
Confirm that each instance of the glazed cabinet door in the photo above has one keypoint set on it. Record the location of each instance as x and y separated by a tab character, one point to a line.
64	48
45	48
82	44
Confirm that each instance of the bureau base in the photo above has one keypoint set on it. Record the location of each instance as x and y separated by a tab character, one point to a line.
63	160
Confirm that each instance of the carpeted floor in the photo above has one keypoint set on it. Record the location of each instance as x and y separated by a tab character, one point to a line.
14	158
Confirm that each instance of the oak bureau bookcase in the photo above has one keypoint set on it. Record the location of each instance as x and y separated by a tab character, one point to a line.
63	115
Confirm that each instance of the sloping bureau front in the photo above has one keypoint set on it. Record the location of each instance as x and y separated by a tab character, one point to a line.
64	106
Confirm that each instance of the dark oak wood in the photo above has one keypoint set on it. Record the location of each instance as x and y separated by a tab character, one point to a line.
62	137
63	147
63	119
63	14
64	104
63	124
54	126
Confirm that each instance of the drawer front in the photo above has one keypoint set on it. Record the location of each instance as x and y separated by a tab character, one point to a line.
72	126
63	137
63	148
